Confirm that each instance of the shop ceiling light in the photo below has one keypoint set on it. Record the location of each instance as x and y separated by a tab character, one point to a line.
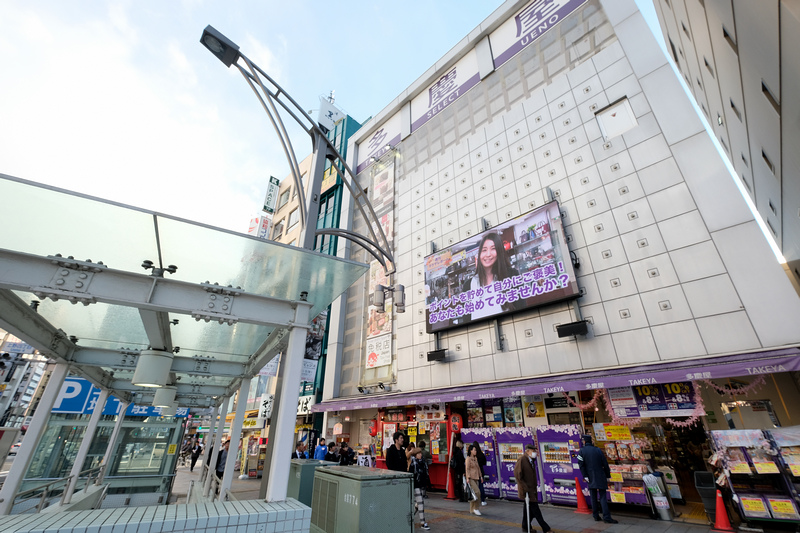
152	368
165	396
172	410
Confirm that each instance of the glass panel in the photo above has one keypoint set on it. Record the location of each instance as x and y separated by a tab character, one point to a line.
258	266
141	450
77	226
213	338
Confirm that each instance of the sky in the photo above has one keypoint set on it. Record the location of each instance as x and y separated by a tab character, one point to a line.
119	100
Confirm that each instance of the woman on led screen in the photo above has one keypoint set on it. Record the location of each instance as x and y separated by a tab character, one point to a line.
493	264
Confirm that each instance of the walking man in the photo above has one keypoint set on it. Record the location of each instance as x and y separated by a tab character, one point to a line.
196	450
222	458
594	468
525	474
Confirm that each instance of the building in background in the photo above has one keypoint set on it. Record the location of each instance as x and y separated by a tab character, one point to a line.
741	61
556	140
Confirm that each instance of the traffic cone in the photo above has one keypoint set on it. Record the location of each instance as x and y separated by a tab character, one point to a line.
582	507
451	493
721	522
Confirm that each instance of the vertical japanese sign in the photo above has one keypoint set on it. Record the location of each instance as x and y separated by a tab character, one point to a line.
272	195
530	23
451	86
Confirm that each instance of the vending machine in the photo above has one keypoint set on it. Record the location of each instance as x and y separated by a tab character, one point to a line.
510	447
485	438
558	451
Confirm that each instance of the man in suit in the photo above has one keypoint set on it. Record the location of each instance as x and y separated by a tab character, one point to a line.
594	468
525	474
299	452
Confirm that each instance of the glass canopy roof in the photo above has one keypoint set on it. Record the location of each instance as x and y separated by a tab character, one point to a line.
122	237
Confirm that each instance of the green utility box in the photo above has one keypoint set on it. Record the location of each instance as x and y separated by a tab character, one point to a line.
357	498
301	478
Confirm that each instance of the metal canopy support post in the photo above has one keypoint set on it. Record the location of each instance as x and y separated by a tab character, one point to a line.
284	413
212	463
123	408
83	450
236	435
313	188
35	431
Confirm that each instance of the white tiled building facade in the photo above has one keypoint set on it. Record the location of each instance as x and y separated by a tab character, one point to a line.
673	265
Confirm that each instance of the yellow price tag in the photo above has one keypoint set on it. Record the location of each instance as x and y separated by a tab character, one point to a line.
795	470
618	432
617	497
753	505
616	477
172	449
766	468
740	468
782	507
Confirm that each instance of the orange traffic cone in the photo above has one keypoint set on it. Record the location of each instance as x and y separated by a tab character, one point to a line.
451	493
721	521
582	507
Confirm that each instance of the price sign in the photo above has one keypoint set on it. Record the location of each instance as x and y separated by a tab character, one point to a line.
616	477
782	508
172	449
679	395
754	506
739	468
617	497
618	432
649	398
795	470
667	399
766	468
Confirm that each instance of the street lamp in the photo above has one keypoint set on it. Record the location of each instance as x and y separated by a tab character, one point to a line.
376	243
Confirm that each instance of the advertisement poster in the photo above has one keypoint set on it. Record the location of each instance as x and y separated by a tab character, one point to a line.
533	406
379	351
459	79
528	25
493	412
475	414
387	225
655	400
430	412
512	411
383	188
388	432
518	264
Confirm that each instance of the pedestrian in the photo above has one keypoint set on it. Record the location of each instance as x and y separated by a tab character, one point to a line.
595	470
473	473
396	454
299	452
222	458
321	450
481	463
458	466
525	474
332	455
346	455
196	450
419	469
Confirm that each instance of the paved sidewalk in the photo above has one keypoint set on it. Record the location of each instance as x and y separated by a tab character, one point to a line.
500	516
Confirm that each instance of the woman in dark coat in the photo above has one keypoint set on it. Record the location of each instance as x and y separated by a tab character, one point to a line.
459	467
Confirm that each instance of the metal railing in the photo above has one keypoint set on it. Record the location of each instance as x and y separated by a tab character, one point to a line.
48	492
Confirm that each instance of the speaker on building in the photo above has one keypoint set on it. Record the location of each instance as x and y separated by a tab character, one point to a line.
436	355
581	327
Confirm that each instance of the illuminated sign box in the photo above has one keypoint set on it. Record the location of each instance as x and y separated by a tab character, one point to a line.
519	264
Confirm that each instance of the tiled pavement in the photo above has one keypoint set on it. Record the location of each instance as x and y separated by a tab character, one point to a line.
500	516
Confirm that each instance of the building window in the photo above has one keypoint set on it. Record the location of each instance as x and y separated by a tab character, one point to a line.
294	217
284	198
278	231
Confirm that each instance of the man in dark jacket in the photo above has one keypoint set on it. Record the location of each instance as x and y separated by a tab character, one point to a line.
396	454
525	474
299	452
346	455
594	468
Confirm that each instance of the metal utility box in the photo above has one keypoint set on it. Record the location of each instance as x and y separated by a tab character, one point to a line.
301	478
357	498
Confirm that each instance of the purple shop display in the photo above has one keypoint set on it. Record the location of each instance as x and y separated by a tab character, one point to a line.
485	438
558	450
510	447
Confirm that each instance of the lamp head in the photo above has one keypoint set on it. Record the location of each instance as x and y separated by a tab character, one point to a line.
223	48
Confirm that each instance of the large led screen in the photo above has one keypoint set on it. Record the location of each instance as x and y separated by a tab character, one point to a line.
516	265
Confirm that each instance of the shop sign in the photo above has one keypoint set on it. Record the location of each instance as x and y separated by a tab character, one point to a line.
337	428
528	25
379	351
388	134
265	407
272	195
459	79
304	404
303	427
79	396
254	423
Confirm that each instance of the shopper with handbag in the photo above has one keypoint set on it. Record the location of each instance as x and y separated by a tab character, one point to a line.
473	473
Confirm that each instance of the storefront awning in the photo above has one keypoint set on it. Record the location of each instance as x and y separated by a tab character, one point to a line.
750	364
